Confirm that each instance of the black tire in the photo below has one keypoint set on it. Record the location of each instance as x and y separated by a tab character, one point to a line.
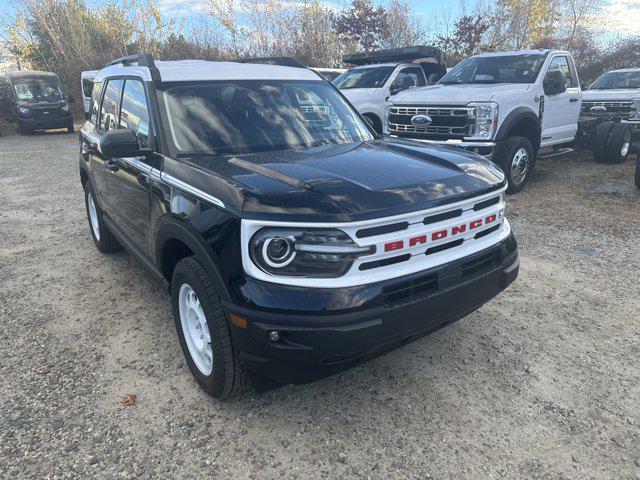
376	123
227	376
70	128
505	159
600	141
619	139
105	241
22	130
638	170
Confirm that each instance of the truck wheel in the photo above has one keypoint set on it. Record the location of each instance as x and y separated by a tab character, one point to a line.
102	237
619	143
375	122
203	331
22	130
516	158
600	141
70	128
638	170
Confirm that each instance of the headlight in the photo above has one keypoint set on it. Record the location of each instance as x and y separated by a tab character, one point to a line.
385	126
486	120
65	107
24	110
308	253
635	111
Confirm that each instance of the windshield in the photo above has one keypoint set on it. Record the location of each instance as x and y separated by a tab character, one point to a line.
498	69
612	80
370	77
38	89
257	115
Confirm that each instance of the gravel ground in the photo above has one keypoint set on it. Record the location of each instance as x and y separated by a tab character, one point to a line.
542	382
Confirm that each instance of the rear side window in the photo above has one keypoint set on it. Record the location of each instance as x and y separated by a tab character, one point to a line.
87	87
109	108
134	113
95	102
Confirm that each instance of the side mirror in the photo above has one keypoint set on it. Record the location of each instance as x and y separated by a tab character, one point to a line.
555	82
121	143
395	89
585	86
70	99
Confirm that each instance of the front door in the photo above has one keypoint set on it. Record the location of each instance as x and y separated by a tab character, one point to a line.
561	111
129	183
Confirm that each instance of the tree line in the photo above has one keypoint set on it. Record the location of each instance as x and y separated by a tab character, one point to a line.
69	36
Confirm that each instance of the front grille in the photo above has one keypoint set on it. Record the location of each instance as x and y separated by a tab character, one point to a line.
446	122
623	108
481	263
408	288
48	114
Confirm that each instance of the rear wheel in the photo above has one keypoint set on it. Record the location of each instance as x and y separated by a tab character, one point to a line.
600	141
102	237
203	331
70	128
619	144
516	158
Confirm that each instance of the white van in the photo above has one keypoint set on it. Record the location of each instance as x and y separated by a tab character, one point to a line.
86	86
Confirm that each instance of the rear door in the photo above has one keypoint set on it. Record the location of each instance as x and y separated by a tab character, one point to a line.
129	182
561	111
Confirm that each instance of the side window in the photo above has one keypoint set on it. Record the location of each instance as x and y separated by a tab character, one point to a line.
562	63
95	102
87	87
108	110
407	78
134	113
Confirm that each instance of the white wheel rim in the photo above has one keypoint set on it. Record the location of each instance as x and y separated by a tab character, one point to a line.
626	144
195	330
520	165
93	216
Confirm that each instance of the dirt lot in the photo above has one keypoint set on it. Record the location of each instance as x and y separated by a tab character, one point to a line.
542	382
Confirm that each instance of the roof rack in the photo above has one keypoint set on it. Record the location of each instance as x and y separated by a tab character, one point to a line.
281	61
407	54
142	59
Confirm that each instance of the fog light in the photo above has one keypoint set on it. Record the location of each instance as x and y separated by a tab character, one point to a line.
274	335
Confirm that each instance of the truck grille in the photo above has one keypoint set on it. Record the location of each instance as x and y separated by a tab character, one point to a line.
446	122
622	107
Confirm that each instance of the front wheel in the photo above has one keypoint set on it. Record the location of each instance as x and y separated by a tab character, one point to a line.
70	127
203	331
515	156
638	170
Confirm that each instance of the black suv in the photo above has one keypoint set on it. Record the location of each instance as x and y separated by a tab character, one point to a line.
295	243
35	101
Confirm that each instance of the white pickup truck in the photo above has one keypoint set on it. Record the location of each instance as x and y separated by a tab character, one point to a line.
504	106
382	73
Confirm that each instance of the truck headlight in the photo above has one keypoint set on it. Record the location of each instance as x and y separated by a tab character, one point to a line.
24	110
304	253
486	120
387	110
635	109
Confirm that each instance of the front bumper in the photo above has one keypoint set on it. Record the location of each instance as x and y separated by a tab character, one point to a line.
315	345
485	149
43	123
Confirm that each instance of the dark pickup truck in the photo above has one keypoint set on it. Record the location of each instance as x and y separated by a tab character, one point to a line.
294	241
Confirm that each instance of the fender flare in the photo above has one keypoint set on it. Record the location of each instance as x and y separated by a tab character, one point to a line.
516	115
170	227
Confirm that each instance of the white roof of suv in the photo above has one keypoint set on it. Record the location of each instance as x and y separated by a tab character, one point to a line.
194	70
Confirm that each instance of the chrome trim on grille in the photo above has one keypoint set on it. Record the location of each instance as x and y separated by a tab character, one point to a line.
469	112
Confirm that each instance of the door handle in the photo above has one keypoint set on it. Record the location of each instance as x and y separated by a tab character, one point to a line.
112	166
573	100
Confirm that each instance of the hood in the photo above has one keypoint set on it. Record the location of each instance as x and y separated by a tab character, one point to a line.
457	94
346	182
613	94
40	105
351	93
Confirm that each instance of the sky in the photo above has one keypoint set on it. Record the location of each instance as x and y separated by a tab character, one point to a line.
620	17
